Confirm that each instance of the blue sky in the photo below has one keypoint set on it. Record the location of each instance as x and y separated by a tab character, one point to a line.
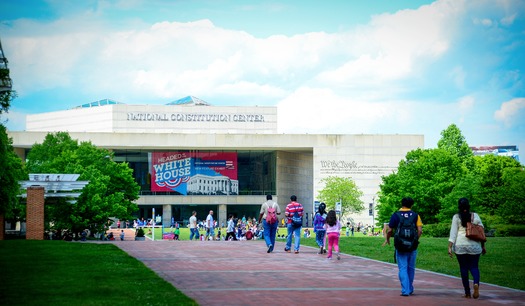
343	67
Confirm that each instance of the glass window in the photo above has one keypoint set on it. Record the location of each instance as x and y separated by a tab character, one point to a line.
256	171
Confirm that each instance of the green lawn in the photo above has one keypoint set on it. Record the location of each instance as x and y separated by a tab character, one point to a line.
504	263
65	273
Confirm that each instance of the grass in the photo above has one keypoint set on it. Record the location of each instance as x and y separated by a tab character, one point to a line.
504	263
65	273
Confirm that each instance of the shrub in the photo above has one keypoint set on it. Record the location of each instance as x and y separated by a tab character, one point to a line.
139	233
509	230
436	230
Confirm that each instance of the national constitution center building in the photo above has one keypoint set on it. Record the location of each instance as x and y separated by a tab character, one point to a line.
189	155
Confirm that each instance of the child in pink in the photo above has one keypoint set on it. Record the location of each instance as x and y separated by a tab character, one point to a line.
333	227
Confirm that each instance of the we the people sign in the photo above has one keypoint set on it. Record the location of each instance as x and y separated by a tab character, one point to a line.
194	172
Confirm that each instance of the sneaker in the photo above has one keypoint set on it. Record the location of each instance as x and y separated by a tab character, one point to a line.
324	251
269	249
320	250
476	291
338	257
329	258
296	251
287	250
467	296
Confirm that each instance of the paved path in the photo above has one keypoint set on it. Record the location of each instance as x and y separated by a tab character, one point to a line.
242	273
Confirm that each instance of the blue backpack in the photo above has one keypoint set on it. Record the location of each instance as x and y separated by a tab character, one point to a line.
297	220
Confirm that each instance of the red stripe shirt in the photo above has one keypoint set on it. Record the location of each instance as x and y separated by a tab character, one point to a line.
290	210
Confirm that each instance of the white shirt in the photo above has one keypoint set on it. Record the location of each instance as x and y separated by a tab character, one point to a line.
193	222
209	221
461	244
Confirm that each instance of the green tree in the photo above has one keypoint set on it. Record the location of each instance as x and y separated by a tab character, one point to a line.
453	141
490	169
468	187
512	192
437	178
341	189
11	171
110	192
427	176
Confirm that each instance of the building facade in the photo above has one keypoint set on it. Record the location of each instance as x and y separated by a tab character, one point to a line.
188	155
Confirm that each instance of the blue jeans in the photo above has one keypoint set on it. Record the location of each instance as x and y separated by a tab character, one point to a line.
406	262
194	232
297	232
270	230
468	263
210	232
319	237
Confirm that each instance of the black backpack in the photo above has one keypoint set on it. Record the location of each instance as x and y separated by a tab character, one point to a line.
406	238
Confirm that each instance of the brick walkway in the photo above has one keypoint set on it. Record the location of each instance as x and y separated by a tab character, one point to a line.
242	273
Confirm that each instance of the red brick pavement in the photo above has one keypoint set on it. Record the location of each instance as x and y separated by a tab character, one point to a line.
242	273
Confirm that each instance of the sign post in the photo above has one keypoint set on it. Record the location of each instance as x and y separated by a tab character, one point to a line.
153	225
338	208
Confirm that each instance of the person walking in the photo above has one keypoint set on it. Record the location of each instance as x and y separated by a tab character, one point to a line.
319	228
408	227
210	226
333	229
194	230
294	220
268	215
230	230
467	251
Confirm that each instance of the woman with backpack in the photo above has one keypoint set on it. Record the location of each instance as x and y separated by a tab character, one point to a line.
467	251
268	216
319	230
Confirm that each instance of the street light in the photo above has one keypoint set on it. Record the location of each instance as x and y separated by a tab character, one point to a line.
5	81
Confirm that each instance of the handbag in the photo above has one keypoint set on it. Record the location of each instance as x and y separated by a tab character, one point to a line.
474	231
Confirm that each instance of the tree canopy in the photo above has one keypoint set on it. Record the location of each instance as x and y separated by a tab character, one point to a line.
11	171
453	141
110	192
427	176
437	178
341	189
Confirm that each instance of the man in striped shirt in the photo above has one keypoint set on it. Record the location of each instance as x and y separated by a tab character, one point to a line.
294	222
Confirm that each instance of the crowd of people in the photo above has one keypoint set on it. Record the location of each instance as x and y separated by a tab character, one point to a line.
405	226
236	229
327	229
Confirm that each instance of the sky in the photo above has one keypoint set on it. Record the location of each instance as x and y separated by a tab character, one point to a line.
330	67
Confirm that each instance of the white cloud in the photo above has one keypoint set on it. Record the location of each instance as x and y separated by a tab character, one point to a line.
511	112
173	59
320	110
379	77
508	20
466	104
458	74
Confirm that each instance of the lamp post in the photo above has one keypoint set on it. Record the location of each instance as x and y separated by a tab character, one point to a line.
372	213
5	80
